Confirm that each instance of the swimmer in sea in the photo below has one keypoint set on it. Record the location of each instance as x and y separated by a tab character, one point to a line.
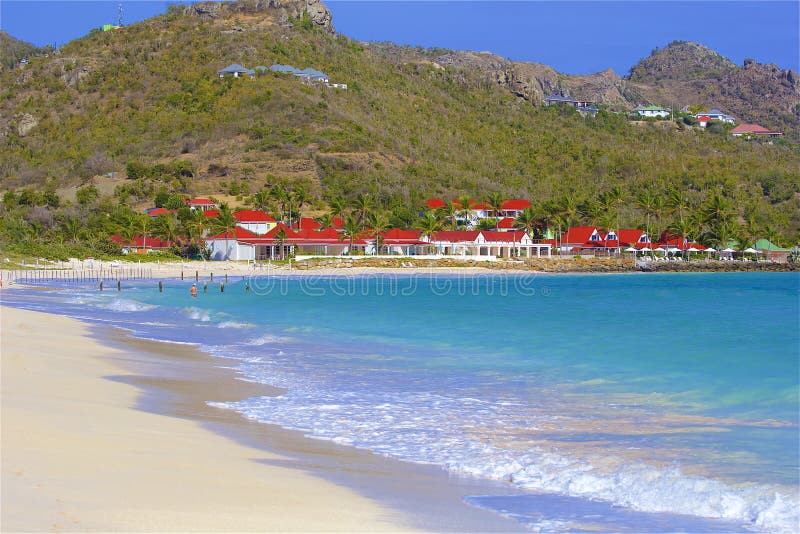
194	290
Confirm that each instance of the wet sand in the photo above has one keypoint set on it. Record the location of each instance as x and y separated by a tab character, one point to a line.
104	432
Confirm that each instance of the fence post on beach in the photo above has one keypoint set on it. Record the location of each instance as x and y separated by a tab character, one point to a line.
196	276
181	274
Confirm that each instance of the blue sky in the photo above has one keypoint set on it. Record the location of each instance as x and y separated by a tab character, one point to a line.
574	37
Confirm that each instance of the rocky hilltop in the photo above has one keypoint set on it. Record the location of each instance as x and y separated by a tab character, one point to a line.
681	74
284	11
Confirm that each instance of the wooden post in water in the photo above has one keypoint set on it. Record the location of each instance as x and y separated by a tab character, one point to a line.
226	278
196	276
181	274
222	287
119	285
212	277
160	287
101	285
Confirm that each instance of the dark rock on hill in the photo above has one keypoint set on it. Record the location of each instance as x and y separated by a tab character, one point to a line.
680	60
283	10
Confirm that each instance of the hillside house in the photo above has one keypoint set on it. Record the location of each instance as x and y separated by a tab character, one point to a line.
717	115
753	130
237	71
653	112
552	100
202	204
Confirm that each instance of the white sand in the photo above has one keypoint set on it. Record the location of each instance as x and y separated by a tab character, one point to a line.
77	457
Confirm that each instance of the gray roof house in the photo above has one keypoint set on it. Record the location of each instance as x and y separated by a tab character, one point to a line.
236	71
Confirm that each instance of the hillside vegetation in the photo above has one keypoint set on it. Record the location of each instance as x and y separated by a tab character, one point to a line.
406	128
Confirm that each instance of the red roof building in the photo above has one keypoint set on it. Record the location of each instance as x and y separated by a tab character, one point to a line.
506	223
200	203
306	223
748	130
578	236
435	203
254	216
210	214
515	205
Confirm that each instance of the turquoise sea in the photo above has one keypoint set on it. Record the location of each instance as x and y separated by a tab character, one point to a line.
636	402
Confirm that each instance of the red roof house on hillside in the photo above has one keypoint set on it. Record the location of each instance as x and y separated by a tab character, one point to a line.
200	204
435	203
753	130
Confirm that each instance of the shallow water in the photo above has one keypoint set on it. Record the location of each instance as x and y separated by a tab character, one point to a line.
616	402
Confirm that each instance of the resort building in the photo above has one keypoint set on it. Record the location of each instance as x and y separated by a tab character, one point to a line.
256	221
485	243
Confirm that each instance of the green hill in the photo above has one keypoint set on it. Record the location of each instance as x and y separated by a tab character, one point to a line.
405	128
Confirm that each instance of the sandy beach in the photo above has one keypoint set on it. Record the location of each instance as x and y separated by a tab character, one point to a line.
77	457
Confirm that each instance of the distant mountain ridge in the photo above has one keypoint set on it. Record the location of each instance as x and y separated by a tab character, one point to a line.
681	74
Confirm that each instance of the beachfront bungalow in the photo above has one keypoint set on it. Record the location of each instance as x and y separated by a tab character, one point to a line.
485	243
771	251
750	131
580	236
256	221
231	245
237	71
653	112
402	242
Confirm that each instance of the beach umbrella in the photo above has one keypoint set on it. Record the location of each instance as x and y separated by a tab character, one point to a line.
728	250
659	249
751	250
630	249
711	249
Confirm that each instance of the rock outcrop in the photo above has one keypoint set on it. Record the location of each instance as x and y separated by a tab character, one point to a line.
284	11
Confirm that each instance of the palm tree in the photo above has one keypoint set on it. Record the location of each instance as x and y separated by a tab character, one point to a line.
363	206
351	229
325	221
646	201
677	202
262	200
338	206
72	228
428	223
166	228
466	208
494	203
379	221
280	239
225	222
281	196
449	214
527	222
717	209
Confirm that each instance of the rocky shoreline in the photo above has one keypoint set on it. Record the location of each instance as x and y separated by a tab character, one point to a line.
553	265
